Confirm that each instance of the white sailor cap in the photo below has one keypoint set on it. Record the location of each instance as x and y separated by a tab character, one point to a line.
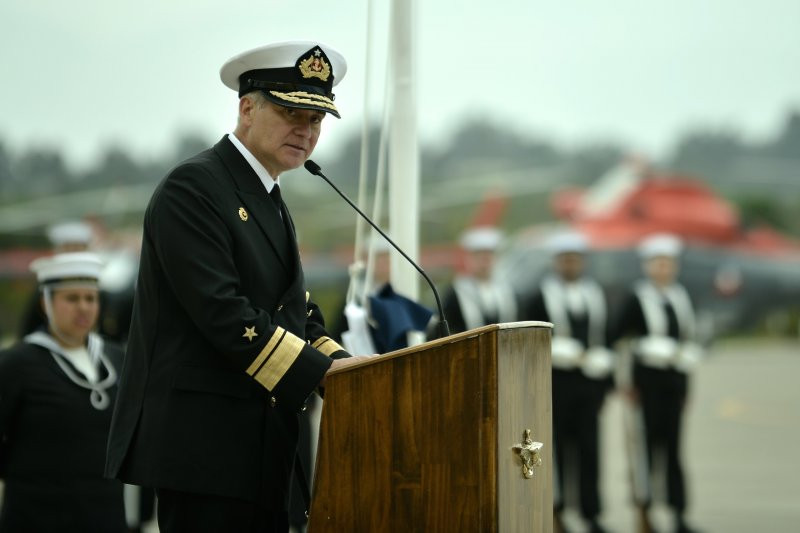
481	238
297	74
568	242
70	268
70	232
660	245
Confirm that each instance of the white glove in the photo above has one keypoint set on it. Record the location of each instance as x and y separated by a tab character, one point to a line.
598	363
689	356
657	351
566	352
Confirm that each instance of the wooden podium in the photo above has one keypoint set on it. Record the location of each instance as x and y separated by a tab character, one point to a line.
422	439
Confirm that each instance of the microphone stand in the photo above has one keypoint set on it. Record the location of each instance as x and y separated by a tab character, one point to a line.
315	169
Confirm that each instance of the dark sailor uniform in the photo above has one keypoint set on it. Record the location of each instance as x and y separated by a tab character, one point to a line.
53	434
225	345
470	303
582	367
662	326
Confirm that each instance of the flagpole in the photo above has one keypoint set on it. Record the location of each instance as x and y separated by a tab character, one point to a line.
404	149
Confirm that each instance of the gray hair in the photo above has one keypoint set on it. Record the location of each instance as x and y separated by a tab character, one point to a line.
257	98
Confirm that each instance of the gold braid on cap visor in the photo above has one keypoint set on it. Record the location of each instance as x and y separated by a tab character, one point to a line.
300	97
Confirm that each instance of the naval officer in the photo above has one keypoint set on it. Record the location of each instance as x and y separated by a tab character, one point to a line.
226	344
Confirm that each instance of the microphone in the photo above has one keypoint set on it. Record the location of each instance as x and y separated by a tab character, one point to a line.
315	169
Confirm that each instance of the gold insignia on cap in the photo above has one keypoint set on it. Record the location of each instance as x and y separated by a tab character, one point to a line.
315	66
250	333
243	214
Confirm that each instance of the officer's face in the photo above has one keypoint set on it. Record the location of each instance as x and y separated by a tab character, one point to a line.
75	312
281	138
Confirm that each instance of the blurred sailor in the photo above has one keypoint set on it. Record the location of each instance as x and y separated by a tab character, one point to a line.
475	299
582	368
70	236
66	236
57	389
226	344
659	316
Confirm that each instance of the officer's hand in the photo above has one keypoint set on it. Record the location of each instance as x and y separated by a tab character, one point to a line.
338	364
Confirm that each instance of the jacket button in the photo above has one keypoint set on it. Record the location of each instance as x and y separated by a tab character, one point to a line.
273	401
304	408
280	307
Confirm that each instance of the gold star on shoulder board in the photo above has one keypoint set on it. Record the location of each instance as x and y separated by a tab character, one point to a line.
250	333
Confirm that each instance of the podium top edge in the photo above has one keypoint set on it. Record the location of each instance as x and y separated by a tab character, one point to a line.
525	324
443	341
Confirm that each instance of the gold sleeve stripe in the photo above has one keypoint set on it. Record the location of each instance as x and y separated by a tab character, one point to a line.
267	350
326	345
276	366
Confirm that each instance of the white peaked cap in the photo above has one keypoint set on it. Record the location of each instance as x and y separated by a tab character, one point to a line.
73	231
83	266
278	55
660	245
481	238
298	74
568	242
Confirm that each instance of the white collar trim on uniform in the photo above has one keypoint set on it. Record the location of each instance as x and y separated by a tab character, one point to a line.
99	396
554	294
260	170
475	296
651	299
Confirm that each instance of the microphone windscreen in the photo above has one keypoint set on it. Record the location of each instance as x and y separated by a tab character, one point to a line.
312	167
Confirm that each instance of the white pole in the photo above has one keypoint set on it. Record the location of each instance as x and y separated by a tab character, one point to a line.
363	167
403	150
357	273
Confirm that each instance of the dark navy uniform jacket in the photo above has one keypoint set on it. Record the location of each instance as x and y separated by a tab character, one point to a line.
225	343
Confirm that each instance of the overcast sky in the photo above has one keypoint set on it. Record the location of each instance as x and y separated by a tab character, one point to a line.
84	74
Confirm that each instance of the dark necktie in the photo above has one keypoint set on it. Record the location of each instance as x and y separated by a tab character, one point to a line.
275	194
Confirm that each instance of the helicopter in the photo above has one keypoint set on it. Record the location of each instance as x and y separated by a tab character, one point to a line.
736	275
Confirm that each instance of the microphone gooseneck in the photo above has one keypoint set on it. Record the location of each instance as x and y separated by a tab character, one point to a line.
315	169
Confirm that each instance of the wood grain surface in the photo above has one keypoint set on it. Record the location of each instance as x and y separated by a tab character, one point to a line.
419	440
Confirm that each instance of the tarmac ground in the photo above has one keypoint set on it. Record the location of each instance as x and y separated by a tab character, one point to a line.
740	446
